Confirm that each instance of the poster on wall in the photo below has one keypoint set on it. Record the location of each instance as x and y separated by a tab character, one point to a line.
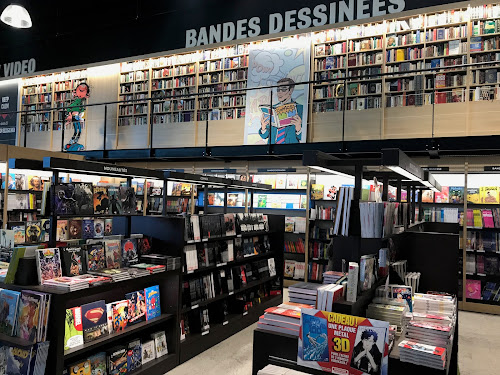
8	121
343	344
282	118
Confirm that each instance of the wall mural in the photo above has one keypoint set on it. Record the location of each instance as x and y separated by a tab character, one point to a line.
76	111
280	63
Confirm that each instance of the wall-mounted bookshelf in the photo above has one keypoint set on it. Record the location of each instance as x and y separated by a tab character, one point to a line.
134	85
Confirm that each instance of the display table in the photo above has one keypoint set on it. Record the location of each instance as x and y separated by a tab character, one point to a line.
281	349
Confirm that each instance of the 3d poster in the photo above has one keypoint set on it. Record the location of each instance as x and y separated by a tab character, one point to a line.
343	344
282	118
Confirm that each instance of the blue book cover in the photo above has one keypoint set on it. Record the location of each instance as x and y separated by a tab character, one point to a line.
134	355
18	360
9	301
435	63
315	338
94	320
152	302
88	228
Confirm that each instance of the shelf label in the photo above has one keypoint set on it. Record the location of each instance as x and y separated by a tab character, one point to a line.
205	333
481	274
190	241
188	272
245	313
204	240
225	323
238	235
247	255
222	264
194	307
230	293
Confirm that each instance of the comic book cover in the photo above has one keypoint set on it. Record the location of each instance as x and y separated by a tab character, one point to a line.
48	264
134	355
19	233
108	227
120	315
72	261
129	252
88	228
35	183
94	320
84	198
6	239
136	306
64	202
317	191
73	330
115	205
113	253
99	228
117	361
18	359
148	351
456	194
75	229
20	182
488	194
11	184
101	200
161	342
9	301
3	359
81	368
30	308
128	200
152	295
96	258
98	363
144	245
45	235
62	230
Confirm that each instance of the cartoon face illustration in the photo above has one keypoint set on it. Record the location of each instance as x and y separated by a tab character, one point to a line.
82	91
284	91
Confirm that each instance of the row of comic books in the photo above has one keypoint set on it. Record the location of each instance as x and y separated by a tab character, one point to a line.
76	229
82	198
122	359
22	360
18	181
30	232
97	319
24	314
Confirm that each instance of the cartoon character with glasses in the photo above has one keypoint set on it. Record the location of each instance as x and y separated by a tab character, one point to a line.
288	127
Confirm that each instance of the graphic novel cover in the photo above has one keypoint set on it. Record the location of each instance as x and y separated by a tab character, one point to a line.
101	200
113	253
129	252
120	315
75	229
88	228
30	308
136	306
48	264
152	302
9	301
96	258
73	330
99	228
72	260
94	320
33	231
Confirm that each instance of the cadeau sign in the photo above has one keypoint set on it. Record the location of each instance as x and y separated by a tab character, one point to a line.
343	344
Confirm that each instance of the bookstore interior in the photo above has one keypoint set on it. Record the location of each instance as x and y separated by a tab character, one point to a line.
154	205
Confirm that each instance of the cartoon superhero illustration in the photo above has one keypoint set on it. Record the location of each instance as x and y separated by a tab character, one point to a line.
291	133
76	111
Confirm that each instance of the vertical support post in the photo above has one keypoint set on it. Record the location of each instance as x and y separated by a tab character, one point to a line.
344	104
225	199
385	189
5	197
308	215
358	182
25	134
105	132
164	205
53	217
251	201
420	206
413	201
269	142
62	135
145	198
398	193
129	217
206	136
151	125
464	233
205	199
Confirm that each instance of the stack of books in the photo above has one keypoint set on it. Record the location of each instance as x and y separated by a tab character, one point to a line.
284	318
303	293
327	295
94	280
116	274
422	354
172	263
332	277
65	283
388	313
151	268
276	370
137	272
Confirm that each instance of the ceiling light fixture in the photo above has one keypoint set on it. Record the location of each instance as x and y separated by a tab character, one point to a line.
17	16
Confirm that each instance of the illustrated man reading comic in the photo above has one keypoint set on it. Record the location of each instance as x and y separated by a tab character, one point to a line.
286	119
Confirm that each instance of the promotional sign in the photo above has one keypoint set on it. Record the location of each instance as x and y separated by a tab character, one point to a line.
343	344
8	121
280	119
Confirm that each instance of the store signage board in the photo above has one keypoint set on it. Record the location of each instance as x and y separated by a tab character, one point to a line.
9	93
220	170
174	170
343	344
492	168
276	170
436	169
161	28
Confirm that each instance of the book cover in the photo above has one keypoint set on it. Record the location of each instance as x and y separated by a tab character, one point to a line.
94	320
75	229
317	191
62	230
456	194
88	229
120	315
99	228
475	44
9	301
315	343
64	202
144	245
98	363
108	227
473	289
115	205
289	268
96	258
33	231
48	264
113	253
128	200
428	196
18	359
73	330
160	340
134	355
136	306
152	295
84	198
129	252
117	361
35	183
489	194
72	261
21	182
45	235
473	195
101	200
148	351
19	233
30	309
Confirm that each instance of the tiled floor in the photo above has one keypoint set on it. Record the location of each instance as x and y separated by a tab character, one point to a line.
479	350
